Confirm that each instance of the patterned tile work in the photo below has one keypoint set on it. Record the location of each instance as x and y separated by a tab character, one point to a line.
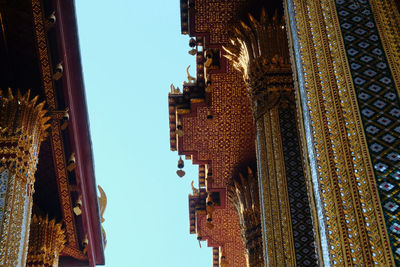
212	17
24	228
3	191
226	233
379	105
302	227
226	141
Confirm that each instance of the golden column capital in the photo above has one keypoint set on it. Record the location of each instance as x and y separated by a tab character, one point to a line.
243	194
46	241
22	128
259	52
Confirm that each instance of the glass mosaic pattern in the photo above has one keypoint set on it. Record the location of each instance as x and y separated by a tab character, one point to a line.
379	105
302	227
3	191
24	228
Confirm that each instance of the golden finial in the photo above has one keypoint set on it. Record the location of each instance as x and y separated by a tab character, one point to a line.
102	202
194	189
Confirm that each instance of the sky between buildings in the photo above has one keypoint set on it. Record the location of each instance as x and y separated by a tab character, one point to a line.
131	52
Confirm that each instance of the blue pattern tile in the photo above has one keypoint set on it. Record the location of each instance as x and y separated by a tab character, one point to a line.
379	105
302	227
3	191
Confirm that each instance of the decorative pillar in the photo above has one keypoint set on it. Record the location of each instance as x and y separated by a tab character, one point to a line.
243	194
22	128
346	62
46	241
260	52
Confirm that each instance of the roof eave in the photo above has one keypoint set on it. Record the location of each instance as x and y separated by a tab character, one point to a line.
79	126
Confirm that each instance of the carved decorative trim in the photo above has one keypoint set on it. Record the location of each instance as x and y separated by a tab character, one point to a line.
379	76
63	187
347	187
277	235
45	64
306	151
344	182
56	136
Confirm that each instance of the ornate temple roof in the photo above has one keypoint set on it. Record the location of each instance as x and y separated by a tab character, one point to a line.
40	45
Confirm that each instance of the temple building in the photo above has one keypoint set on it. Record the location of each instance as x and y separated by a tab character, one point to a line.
50	209
293	118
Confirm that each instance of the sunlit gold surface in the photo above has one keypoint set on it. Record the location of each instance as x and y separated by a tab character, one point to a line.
345	176
103	204
257	52
22	128
46	241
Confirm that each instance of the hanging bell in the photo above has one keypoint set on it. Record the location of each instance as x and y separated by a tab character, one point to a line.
209	115
181	164
180	173
192	42
209	200
179	125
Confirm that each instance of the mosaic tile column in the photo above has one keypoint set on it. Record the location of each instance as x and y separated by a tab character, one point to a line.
22	128
346	63
260	52
46	241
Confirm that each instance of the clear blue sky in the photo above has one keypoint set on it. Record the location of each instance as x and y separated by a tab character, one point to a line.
131	52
